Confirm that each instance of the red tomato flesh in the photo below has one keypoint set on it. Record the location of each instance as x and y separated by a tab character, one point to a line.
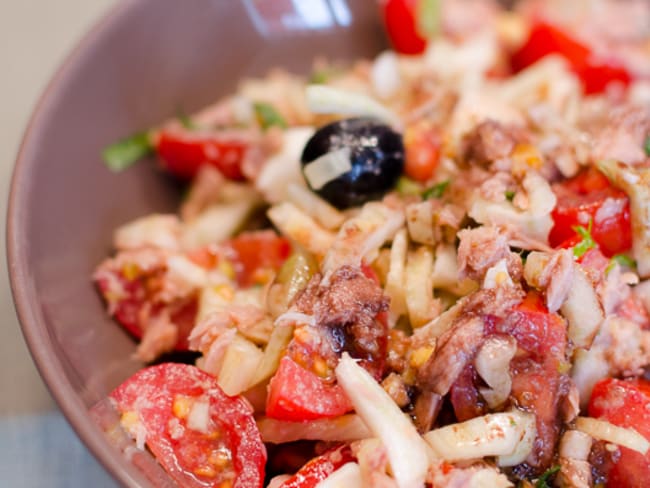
256	254
184	152
626	404
320	468
546	38
297	394
590	197
422	152
400	20
160	401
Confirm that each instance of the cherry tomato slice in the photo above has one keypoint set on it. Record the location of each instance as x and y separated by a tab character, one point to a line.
400	20
589	196
256	254
546	38
626	404
201	436
320	468
541	339
422	145
297	394
184	152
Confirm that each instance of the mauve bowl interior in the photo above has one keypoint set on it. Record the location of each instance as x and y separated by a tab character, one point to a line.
144	62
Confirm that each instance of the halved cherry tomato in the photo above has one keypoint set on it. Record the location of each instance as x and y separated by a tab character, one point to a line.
320	468
626	404
127	310
422	145
183	152
297	394
400	19
541	339
201	436
546	38
255	254
590	197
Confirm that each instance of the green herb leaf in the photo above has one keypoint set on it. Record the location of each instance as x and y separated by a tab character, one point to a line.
186	121
509	194
437	190
587	241
124	153
319	77
542	482
646	146
406	186
267	116
622	260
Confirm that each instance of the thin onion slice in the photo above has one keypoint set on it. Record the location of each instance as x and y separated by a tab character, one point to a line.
326	215
493	365
608	432
497	434
328	167
347	476
406	451
323	99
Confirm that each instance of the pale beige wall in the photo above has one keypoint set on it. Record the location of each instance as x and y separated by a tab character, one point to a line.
35	36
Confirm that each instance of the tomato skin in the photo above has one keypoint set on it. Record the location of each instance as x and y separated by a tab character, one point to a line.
583	197
150	394
422	152
320	467
626	404
183	153
546	38
596	77
400	20
296	394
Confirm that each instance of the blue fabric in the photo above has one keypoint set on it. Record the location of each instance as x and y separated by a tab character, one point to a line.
38	451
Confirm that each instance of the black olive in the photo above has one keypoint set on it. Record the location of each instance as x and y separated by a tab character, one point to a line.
376	155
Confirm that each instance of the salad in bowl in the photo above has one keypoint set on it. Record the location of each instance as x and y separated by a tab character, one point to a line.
425	269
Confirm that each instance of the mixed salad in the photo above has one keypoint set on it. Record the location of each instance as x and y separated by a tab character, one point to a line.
426	269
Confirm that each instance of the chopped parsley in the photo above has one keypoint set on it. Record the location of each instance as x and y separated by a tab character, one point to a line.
543	481
509	194
125	152
268	116
587	241
437	190
646	146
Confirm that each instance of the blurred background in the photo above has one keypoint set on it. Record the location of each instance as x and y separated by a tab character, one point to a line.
37	447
